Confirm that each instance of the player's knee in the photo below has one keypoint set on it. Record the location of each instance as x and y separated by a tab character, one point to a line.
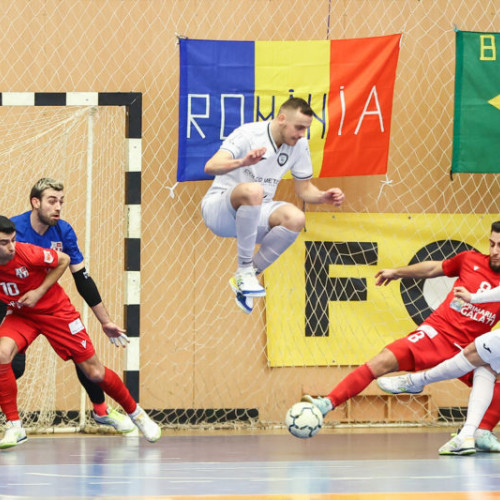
250	193
6	354
383	363
293	219
94	372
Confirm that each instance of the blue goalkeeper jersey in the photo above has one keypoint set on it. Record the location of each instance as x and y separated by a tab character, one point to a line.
60	237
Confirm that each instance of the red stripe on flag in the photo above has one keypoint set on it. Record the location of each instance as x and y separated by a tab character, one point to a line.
362	74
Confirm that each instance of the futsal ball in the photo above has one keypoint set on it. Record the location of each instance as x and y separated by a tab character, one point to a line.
304	420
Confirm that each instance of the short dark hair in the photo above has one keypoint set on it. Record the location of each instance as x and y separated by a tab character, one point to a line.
495	227
6	225
297	103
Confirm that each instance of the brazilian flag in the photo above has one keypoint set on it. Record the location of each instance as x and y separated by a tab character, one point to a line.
476	133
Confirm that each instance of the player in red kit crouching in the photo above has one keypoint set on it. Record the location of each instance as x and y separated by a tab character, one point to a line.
37	304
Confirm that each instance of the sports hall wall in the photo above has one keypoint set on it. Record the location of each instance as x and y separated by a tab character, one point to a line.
197	350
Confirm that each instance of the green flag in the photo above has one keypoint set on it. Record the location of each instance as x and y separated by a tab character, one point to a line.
476	132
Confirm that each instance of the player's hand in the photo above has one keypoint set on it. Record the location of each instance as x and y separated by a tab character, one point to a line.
385	276
333	196
253	157
461	292
116	334
30	298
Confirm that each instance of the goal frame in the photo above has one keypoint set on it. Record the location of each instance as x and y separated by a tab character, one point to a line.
132	101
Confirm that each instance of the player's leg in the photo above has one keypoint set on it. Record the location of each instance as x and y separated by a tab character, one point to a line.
101	413
246	200
479	400
114	387
19	365
356	381
285	222
14	433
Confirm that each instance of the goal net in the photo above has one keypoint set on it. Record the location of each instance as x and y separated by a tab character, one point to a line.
202	361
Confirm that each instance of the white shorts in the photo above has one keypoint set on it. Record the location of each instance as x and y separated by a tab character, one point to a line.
488	348
220	216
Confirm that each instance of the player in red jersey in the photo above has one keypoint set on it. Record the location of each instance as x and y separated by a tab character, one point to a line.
448	330
37	304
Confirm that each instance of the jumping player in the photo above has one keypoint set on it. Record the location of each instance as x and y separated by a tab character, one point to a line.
239	204
43	226
449	329
37	304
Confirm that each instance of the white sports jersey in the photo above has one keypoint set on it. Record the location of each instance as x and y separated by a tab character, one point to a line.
273	166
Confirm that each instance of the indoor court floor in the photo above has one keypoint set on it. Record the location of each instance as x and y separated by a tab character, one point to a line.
335	465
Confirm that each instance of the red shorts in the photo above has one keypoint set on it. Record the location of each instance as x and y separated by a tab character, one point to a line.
417	352
67	337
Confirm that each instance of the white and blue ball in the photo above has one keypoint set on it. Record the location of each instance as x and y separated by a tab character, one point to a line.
304	420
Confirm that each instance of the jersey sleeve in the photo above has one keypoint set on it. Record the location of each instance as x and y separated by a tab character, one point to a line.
70	244
237	143
453	265
302	169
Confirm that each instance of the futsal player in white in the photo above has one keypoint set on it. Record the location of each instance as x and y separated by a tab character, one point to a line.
482	356
239	204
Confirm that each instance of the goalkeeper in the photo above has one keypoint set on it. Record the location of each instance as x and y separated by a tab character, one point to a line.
43	226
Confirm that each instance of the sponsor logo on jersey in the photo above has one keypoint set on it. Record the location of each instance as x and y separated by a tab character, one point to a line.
22	272
48	257
56	245
476	268
282	159
76	326
84	344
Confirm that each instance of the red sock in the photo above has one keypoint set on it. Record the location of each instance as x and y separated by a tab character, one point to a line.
492	415
8	392
100	409
113	386
351	385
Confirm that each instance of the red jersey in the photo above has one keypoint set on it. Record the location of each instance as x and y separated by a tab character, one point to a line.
464	323
26	271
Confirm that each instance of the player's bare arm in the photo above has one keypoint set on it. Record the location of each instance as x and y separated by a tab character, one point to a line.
309	193
428	269
31	298
223	162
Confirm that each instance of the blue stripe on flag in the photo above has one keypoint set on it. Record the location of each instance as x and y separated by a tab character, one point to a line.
217	84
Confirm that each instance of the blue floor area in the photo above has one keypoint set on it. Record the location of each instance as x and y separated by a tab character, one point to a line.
114	467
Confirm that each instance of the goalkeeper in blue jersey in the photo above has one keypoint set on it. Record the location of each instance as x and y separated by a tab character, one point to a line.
43	226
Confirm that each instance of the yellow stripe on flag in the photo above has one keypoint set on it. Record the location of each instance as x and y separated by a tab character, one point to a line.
301	69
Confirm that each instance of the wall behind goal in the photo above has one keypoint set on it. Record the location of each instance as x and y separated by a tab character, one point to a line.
198	351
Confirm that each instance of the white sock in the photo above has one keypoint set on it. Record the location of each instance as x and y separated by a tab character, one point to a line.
136	412
274	243
247	220
479	400
451	368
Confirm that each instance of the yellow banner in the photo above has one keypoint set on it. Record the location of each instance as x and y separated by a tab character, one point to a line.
322	305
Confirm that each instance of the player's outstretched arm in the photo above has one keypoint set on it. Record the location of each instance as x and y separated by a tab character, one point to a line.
428	269
309	193
88	290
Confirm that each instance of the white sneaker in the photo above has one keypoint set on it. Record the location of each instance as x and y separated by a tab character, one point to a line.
248	284
120	422
244	303
401	384
150	429
13	436
458	446
324	405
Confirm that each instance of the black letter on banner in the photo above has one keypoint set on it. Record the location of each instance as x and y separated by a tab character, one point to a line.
412	290
321	289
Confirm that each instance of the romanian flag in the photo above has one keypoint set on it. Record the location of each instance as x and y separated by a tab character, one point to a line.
476	130
348	83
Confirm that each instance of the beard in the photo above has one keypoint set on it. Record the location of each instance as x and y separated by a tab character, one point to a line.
47	220
494	267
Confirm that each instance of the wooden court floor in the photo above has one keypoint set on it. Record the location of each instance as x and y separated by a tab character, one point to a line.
334	465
